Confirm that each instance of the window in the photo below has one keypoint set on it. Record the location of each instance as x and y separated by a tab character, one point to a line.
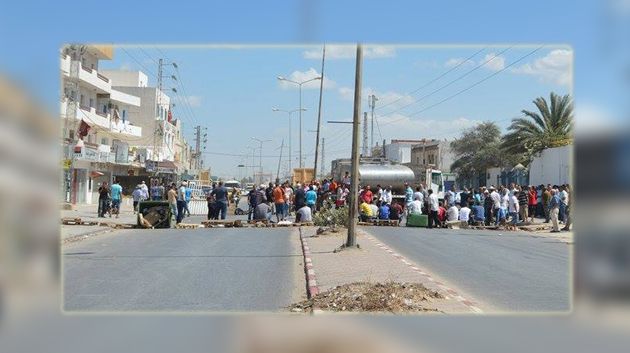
104	108
124	114
91	102
104	141
71	134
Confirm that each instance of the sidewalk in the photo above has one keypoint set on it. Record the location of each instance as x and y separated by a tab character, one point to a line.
373	263
89	213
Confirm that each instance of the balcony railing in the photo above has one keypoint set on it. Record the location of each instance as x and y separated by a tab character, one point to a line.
86	68
102	77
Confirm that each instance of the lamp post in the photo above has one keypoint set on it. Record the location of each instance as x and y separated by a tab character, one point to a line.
280	78
260	154
289	113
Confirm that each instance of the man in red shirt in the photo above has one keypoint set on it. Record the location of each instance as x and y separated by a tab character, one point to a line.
367	194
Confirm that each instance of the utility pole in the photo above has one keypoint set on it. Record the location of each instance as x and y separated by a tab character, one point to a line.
351	241
260	154
157	133
365	146
319	115
279	161
323	159
197	145
372	103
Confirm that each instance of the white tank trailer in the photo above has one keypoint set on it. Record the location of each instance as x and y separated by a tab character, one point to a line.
377	171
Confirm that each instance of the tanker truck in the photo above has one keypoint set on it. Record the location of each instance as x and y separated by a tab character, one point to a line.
375	171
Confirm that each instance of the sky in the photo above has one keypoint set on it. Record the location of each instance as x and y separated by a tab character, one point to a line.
596	31
423	91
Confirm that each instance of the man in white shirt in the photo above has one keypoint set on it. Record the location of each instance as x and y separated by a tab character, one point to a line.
374	209
434	207
415	206
418	195
513	208
386	195
452	214
303	215
464	214
496	204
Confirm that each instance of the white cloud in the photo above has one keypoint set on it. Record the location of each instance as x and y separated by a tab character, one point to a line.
301	76
403	127
555	67
346	93
350	51
496	63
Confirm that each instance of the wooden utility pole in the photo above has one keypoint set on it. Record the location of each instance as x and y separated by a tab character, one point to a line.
352	222
319	113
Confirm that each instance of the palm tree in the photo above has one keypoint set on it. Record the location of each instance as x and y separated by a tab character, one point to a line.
551	126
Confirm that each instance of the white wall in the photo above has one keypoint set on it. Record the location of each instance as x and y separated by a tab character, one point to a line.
126	78
553	166
398	152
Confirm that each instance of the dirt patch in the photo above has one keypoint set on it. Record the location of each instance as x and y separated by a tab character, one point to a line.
372	297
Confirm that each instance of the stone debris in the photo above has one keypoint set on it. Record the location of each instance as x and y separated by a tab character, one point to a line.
389	297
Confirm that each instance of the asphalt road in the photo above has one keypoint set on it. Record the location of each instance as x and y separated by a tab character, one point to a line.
506	273
184	270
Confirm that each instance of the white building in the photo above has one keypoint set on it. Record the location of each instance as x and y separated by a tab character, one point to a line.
88	99
399	151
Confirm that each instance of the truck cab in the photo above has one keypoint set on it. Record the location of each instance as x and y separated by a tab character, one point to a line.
435	181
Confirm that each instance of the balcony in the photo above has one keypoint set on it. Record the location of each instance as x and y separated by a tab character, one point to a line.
103	121
65	64
124	98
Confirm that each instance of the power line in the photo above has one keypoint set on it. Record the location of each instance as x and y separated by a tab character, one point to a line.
435	79
450	82
469	87
138	62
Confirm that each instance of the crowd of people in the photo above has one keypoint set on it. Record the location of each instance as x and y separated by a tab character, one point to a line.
506	205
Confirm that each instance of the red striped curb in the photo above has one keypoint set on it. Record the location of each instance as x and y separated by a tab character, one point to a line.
311	281
446	291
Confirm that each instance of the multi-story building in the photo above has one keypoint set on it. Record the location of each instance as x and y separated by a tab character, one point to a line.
430	154
399	151
97	124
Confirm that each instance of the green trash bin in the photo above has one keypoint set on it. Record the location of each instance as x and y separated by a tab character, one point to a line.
417	220
157	213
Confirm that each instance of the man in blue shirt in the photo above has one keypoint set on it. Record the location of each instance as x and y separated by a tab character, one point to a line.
408	196
311	198
116	195
187	198
383	211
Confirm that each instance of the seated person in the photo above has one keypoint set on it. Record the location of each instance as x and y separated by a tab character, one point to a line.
464	214
415	206
374	209
365	212
452	214
303	215
384	211
478	213
262	212
395	211
442	213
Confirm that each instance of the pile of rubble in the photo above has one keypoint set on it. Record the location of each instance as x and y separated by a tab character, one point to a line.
389	297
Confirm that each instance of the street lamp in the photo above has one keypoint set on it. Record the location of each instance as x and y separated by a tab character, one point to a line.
260	155
280	78
289	113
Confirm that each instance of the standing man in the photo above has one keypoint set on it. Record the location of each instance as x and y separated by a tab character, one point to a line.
220	194
116	194
103	198
311	198
554	209
532	203
145	188
252	202
418	195
386	196
172	200
488	204
346	180
288	196
367	194
434	207
546	198
567	210
523	203
181	202
496	205
408	196
513	208
564	201
449	197
188	197
278	199
299	197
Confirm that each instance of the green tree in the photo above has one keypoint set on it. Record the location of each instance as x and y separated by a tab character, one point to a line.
478	149
551	126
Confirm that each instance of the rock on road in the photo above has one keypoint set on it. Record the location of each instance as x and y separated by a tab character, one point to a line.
511	272
216	269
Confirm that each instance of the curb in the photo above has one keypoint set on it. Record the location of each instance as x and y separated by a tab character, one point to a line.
448	292
311	282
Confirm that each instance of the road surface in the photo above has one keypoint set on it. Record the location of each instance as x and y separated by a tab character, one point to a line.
253	269
514	271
